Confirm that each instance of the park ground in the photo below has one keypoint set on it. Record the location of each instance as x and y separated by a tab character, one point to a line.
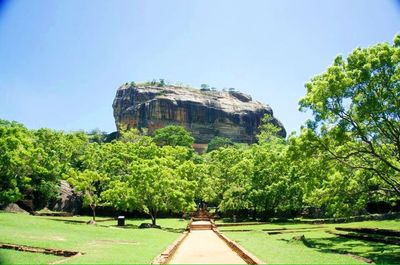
107	243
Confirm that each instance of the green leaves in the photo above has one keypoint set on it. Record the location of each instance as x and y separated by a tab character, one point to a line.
174	136
356	106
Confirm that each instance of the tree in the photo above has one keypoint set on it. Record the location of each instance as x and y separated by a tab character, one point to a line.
132	135
51	159
356	111
328	185
91	184
161	83
90	177
173	135
205	86
275	186
219	142
267	130
15	154
224	176
152	186
97	136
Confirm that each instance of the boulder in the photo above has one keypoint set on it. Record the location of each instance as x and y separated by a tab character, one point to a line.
14	208
68	201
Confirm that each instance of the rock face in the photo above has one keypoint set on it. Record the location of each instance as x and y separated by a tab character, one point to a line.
204	113
69	201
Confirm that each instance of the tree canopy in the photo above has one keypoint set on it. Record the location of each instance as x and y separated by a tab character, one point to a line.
356	110
173	135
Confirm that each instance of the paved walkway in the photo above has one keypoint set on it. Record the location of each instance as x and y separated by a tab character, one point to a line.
205	247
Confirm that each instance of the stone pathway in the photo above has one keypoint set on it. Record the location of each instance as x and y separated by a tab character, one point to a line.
205	247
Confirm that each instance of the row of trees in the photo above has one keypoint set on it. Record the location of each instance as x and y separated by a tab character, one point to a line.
346	156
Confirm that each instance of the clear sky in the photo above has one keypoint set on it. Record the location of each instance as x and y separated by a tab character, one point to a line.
62	61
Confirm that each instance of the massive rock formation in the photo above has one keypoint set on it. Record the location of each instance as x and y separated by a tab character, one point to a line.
205	113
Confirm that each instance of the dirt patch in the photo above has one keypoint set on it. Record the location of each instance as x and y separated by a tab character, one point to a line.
52	238
58	214
49	251
107	241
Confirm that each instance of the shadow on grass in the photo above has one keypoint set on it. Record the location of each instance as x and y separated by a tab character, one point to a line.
68	221
126	226
173	230
131	226
378	252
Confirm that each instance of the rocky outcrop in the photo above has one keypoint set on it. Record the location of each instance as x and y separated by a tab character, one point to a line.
68	201
14	208
204	113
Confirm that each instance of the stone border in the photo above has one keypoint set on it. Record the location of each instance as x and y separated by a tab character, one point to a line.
167	254
48	251
244	254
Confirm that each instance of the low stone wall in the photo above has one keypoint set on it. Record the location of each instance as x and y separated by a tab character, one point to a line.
49	251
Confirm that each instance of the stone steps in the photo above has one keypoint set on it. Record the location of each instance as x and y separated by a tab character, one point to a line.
201	227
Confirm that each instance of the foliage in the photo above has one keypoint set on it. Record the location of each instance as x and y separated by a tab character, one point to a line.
219	142
173	135
267	130
15	153
97	136
205	87
357	112
91	184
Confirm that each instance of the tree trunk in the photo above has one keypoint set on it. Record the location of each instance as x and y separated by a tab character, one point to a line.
153	215
94	212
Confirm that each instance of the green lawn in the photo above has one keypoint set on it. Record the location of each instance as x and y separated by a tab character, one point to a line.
8	256
101	243
321	247
106	243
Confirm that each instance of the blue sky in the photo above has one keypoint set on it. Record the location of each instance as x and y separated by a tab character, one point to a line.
62	61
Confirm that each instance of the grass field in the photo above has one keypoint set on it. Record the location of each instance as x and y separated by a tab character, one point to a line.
101	243
320	247
106	243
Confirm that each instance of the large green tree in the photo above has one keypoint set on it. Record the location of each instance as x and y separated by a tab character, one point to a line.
356	109
150	182
90	178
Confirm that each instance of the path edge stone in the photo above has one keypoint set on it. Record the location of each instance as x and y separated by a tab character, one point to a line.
167	254
243	253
